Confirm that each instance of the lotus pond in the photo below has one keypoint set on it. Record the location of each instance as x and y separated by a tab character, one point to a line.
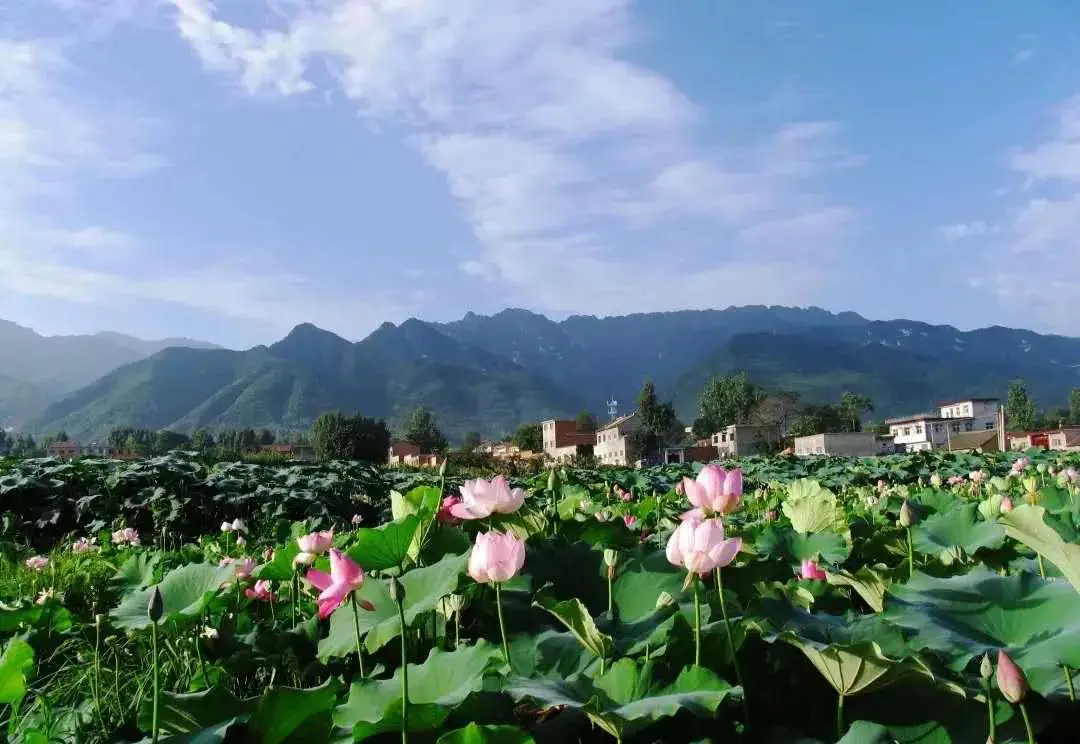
930	599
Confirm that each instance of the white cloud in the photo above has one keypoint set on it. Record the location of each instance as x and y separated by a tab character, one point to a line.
974	229
573	164
54	137
1032	267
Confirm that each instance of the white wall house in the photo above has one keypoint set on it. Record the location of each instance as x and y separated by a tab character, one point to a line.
980	413
857	444
744	439
923	431
613	445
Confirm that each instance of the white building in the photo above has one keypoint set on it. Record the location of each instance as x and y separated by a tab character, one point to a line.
613	442
923	431
979	413
744	439
855	444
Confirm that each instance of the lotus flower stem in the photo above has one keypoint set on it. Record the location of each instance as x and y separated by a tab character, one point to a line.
356	632
97	668
1069	683
697	623
840	716
1042	568
731	644
157	683
910	555
397	593
990	710
1027	723
202	662
294	591
502	625
457	630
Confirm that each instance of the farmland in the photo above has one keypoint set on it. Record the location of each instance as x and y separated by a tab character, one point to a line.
917	598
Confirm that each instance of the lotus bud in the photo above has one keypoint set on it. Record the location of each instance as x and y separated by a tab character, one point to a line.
1006	505
303	559
611	557
771	515
907	515
156	608
442	467
986	667
456	602
1010	679
99	619
664	600
1042	467
553	481
935	480
601	516
397	591
226	527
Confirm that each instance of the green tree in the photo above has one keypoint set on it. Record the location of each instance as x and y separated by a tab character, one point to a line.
5	443
166	441
854	406
331	436
471	442
777	409
529	437
586	422
24	447
726	400
1019	408
820	419
422	429
657	420
202	440
369	439
1074	406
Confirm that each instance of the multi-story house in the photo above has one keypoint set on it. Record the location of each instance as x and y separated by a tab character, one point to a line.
64	450
614	445
971	414
563	441
745	439
855	444
923	431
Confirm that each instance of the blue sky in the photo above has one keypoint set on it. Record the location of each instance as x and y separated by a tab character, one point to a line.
227	170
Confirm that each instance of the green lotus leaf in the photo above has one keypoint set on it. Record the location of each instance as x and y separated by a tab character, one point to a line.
16	666
869	583
625	699
1036	620
473	734
386	546
811	507
1026	524
424	587
578	621
436	686
185	592
957	528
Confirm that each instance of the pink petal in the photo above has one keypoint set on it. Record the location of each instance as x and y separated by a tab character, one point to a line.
464	511
344	569
727	552
695	493
711	478
697	514
327	607
318	579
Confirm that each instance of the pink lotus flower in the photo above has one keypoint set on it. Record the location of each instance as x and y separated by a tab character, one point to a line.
1020	465
242	567
955	480
496	557
699	546
261	591
771	515
446	514
268	555
83	545
37	563
714	491
626	496
1010	679
976	476
811	571
127	536
357	518
344	578
1006	505
629	520
1071	475
316	543
679	489
44	596
481	498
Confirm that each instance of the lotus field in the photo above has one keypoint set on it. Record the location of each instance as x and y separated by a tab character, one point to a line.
916	598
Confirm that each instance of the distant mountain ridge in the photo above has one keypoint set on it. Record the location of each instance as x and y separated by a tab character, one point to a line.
491	373
36	369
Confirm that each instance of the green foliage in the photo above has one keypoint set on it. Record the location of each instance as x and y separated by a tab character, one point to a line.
1019	408
340	437
726	400
422	429
529	437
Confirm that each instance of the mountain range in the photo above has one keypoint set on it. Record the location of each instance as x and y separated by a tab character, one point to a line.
491	373
36	370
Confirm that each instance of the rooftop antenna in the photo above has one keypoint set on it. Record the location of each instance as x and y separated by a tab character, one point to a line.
613	409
